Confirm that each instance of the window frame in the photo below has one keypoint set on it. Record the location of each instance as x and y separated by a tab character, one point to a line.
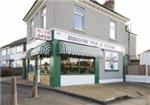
82	15
8	51
43	17
114	28
112	60
4	52
32	24
77	65
19	49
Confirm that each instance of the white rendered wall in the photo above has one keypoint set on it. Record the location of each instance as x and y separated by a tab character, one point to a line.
68	80
138	78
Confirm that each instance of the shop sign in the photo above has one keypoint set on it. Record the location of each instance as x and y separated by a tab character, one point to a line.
42	34
80	39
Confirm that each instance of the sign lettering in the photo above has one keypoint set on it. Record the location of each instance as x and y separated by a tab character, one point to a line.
42	34
71	37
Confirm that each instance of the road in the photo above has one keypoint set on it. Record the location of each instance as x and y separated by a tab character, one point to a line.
45	97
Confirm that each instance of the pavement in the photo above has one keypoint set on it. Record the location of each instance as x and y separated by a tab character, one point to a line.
106	92
113	94
143	100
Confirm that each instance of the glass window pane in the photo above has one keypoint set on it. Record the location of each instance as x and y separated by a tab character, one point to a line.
19	49
44	11
78	18
78	22
79	10
112	33
44	17
75	66
45	66
3	52
32	28
112	30
44	22
112	24
111	61
32	65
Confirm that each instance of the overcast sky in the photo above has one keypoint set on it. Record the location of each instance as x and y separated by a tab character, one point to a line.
12	12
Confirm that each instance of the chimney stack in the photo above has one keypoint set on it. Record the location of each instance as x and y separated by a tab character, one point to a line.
109	4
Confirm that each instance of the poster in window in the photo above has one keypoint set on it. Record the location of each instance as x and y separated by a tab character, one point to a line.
111	61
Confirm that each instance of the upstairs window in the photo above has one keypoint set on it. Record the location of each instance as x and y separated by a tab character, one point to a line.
44	17
31	28
3	52
8	51
112	30
19	49
78	18
13	50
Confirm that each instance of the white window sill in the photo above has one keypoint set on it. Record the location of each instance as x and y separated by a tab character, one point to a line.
114	40
76	29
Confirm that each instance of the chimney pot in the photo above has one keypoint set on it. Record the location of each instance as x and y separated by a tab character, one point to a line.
109	4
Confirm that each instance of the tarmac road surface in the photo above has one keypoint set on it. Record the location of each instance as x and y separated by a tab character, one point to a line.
45	97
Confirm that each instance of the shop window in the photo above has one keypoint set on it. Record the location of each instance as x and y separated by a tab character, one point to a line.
111	61
45	65
78	18
11	63
70	65
32	65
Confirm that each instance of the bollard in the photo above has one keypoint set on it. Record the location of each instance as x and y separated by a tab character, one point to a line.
35	87
13	91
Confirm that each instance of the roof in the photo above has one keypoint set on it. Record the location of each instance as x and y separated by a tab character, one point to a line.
93	1
30	9
15	43
147	50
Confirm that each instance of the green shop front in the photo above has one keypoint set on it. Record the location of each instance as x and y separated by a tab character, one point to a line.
64	60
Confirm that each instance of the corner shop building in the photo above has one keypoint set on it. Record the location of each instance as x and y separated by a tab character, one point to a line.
74	59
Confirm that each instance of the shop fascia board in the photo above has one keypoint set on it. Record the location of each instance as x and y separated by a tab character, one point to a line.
89	37
118	45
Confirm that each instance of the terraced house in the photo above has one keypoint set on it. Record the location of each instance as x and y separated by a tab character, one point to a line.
87	42
11	54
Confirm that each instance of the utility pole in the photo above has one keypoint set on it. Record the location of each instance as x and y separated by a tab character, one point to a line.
128	30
